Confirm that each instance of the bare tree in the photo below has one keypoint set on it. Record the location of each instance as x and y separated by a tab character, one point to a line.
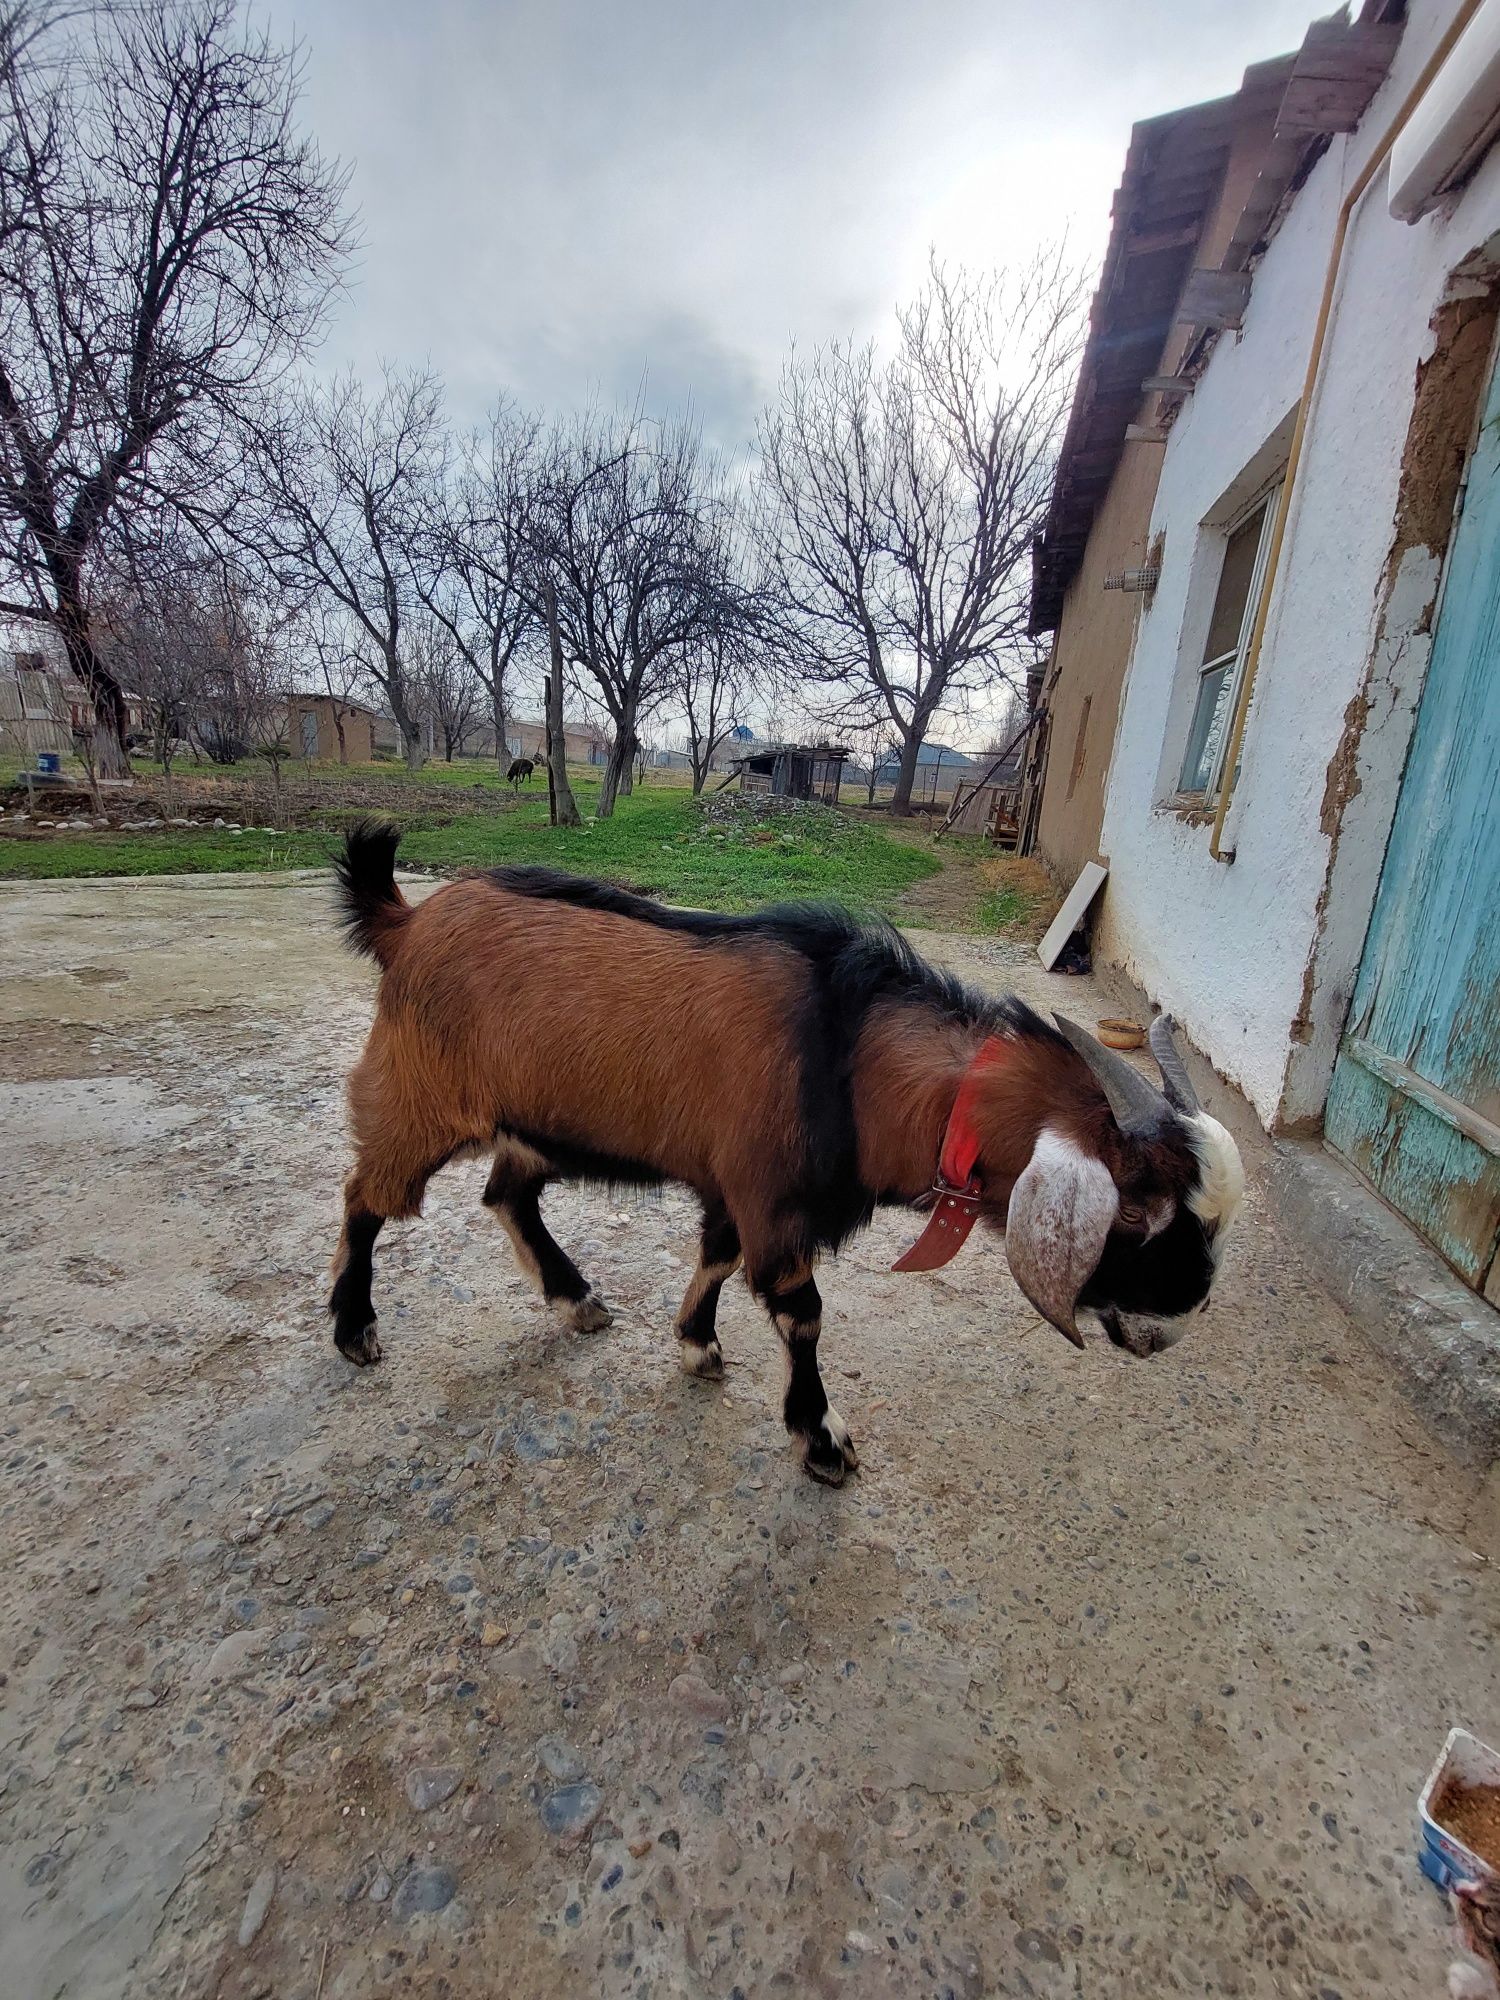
348	482
448	687
477	576
242	691
902	500
733	658
168	242
153	647
870	731
713	679
631	540
562	806
326	639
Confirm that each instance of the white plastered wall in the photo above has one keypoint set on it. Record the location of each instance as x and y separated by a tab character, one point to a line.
1226	948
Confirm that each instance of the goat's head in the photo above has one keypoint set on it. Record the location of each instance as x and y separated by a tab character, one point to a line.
1125	1215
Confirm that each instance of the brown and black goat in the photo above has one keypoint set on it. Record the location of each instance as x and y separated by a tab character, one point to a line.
796	1069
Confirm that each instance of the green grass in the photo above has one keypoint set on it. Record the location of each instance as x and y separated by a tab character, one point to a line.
176	850
715	854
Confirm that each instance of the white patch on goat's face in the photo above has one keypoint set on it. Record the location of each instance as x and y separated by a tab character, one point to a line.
1221	1177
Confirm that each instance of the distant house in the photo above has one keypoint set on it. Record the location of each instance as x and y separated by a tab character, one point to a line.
939	770
792	770
315	721
41	700
583	742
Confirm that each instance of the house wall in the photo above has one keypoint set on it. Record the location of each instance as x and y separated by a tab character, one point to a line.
358	736
1087	671
1096	632
1257	960
529	739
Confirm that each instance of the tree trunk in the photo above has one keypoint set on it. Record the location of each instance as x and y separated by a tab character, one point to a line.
564	807
617	771
497	710
338	729
409	726
111	759
906	774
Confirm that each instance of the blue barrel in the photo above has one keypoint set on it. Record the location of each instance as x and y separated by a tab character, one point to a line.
50	762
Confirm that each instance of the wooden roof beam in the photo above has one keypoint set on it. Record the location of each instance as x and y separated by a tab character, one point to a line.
1214	298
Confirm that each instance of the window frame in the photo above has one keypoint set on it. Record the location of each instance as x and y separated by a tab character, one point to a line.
1231	662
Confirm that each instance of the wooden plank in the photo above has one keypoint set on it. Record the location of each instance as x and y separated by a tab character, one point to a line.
1182	236
1145	434
1214	298
1075	907
1400	1076
1339	68
1175	386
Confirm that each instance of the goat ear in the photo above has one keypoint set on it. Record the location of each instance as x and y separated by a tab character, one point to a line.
1061	1210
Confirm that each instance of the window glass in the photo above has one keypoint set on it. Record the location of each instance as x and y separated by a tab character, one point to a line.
1223	653
1234	588
1208	729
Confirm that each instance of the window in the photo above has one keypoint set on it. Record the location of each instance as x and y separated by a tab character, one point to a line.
1219	677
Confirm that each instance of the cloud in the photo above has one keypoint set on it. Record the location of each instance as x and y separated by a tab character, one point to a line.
567	200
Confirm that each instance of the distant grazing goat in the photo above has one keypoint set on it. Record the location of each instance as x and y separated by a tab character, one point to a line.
520	772
796	1070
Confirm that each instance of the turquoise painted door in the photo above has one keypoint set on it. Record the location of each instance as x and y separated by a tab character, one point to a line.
1415	1101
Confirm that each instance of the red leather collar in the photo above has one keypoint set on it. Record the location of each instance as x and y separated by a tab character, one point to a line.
954	1194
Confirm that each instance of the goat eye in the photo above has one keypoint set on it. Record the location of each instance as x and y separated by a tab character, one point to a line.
1132	1217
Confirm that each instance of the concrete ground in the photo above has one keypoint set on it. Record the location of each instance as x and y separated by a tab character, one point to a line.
523	1665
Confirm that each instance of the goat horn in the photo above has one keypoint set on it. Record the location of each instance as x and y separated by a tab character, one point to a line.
1176	1082
1136	1103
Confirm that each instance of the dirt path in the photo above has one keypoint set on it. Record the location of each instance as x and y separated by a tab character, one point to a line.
523	1665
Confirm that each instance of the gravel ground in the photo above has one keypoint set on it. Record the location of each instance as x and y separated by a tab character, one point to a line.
523	1664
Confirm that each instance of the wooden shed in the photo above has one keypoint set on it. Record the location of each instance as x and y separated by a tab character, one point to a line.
792	771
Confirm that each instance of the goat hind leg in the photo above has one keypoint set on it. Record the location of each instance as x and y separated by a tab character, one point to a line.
387	1185
513	1195
718	1259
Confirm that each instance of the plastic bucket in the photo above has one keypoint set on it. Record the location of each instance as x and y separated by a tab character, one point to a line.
1443	1856
49	761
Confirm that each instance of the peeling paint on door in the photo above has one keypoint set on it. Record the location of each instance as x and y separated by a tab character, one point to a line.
1415	1102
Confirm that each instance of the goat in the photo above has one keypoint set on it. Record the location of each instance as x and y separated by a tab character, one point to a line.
520	772
796	1069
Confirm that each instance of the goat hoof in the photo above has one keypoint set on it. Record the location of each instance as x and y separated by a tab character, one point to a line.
362	1347
824	1462
703	1358
589	1314
829	1453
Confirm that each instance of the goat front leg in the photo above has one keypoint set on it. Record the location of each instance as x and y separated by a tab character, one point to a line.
513	1196
697	1329
796	1307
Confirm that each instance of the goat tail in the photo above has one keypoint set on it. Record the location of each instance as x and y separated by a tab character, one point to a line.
374	909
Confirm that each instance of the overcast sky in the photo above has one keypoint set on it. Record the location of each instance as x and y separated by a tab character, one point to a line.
560	199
